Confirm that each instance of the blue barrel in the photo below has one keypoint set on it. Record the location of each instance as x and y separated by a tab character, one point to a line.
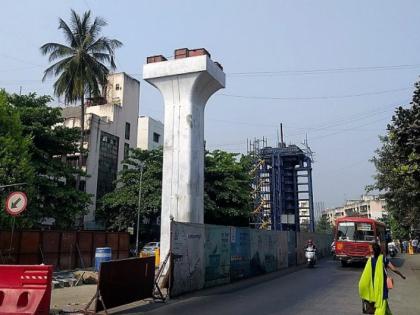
102	254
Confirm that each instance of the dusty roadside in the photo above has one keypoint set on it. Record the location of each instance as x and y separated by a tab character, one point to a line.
72	298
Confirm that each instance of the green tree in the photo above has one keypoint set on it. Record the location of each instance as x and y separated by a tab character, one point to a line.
323	225
227	189
398	231
398	166
82	64
15	166
118	209
54	195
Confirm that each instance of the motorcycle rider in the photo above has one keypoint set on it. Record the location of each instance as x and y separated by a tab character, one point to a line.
310	246
310	243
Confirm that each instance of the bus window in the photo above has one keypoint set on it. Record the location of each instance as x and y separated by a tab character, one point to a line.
355	231
345	231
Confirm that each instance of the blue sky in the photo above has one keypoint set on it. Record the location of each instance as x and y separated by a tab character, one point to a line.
336	68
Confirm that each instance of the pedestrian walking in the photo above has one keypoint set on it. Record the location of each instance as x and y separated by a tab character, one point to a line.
375	282
405	246
410	247
398	244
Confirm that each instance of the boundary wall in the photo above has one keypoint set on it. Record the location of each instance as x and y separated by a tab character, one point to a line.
208	255
62	249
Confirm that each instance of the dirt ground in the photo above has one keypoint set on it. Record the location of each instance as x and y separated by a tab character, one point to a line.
72	298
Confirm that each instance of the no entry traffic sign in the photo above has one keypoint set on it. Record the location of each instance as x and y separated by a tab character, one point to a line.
16	203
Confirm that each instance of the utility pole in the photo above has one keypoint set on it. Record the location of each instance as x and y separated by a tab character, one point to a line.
138	209
281	135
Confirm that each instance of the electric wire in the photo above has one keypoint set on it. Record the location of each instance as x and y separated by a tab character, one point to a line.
327	70
355	69
321	97
332	124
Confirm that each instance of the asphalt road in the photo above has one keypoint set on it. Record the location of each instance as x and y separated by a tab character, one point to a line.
326	289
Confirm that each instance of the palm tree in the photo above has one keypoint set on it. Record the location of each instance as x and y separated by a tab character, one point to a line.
82	64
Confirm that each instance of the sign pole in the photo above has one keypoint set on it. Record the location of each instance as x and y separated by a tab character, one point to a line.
11	237
16	203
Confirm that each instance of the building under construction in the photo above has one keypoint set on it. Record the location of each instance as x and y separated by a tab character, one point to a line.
282	187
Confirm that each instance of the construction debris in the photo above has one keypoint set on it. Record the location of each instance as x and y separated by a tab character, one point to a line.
64	279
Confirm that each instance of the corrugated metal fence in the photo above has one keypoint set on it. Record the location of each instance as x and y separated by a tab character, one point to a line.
208	255
63	249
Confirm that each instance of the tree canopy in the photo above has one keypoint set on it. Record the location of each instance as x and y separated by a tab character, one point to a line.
118	209
52	189
323	225
15	158
398	166
83	62
226	190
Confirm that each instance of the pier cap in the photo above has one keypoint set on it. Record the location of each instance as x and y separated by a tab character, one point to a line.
186	61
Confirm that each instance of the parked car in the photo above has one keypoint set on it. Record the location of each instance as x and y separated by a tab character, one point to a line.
150	248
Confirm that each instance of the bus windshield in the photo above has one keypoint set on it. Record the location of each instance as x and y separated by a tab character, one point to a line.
355	231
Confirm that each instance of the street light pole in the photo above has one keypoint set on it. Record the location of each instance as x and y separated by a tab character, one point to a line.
138	209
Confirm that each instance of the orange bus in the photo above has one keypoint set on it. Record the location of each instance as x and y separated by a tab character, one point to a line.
354	237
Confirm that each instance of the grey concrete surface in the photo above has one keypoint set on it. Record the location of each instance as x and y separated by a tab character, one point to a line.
72	298
327	289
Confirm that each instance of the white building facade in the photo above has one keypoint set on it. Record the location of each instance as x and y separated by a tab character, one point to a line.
368	206
111	130
150	133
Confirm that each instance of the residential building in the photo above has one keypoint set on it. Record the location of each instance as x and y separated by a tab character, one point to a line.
111	130
368	206
333	214
149	134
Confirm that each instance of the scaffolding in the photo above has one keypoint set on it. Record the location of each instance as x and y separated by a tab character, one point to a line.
282	187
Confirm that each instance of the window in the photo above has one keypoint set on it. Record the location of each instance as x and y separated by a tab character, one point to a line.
127	131
117	87
107	164
126	150
156	137
355	231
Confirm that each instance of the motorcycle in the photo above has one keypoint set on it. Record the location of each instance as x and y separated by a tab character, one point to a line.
392	250
310	254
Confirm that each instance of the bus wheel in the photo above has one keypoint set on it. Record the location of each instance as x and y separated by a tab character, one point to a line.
344	263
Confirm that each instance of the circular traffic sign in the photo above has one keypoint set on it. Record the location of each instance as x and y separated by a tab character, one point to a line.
16	203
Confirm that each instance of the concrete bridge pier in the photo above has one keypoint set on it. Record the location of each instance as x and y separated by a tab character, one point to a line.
186	83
